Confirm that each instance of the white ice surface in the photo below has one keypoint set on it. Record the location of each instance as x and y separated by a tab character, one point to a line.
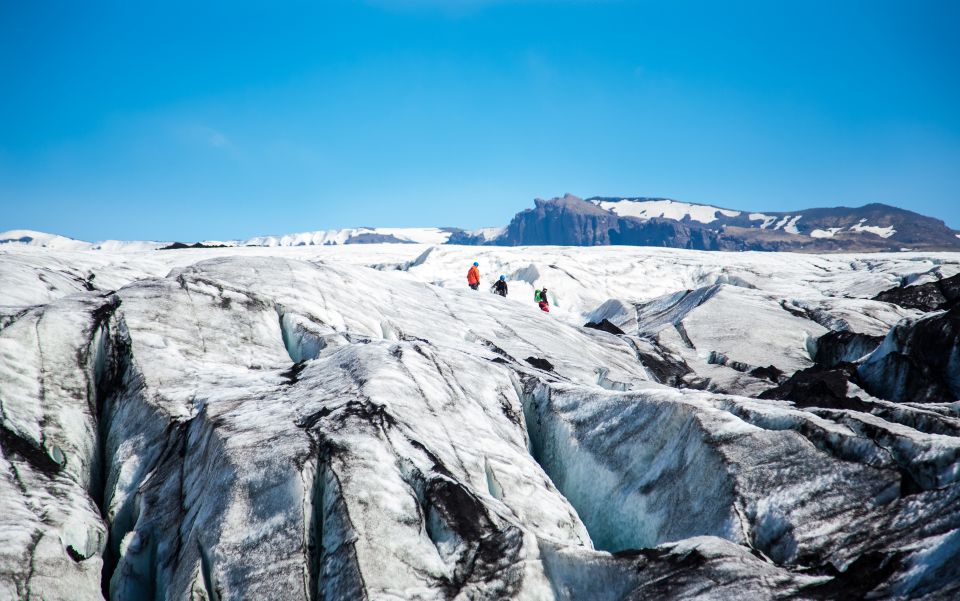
415	439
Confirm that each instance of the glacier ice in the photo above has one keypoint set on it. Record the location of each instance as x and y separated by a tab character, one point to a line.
309	423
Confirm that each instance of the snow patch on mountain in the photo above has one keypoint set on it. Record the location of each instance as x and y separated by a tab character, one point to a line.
664	208
830	232
787	223
791	226
883	232
488	233
766	219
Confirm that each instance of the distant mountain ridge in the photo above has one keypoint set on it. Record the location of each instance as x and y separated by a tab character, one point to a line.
637	221
361	235
572	221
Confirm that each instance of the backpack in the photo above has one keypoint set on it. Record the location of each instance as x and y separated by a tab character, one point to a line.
536	296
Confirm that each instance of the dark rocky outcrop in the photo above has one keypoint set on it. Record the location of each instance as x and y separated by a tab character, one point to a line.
181	245
673	234
819	386
540	363
604	325
568	221
770	372
840	346
918	361
933	296
571	221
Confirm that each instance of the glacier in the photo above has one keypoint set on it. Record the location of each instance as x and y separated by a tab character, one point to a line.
352	422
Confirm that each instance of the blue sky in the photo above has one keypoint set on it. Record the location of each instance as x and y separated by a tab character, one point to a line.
230	119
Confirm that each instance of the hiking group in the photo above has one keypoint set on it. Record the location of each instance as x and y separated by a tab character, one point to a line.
500	287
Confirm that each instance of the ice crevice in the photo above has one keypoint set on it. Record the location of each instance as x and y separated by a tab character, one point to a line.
930	461
466	507
167	477
209	583
446	515
605	382
51	445
303	338
571	444
493	487
663	366
8	319
120	396
678	471
682	331
330	557
923	461
770	372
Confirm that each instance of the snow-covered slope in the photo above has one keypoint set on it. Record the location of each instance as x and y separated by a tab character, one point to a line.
352	422
41	239
424	235
363	235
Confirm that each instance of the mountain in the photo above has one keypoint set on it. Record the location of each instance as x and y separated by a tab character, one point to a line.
312	423
572	221
363	235
564	221
603	221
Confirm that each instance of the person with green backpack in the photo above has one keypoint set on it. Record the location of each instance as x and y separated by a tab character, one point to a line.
540	297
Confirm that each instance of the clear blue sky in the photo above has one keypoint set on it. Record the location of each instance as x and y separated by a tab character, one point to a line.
193	120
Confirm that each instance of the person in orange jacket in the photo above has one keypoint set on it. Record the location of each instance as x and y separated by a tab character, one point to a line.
473	276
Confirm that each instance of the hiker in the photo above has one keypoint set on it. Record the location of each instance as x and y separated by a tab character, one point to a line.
540	297
500	286
473	276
